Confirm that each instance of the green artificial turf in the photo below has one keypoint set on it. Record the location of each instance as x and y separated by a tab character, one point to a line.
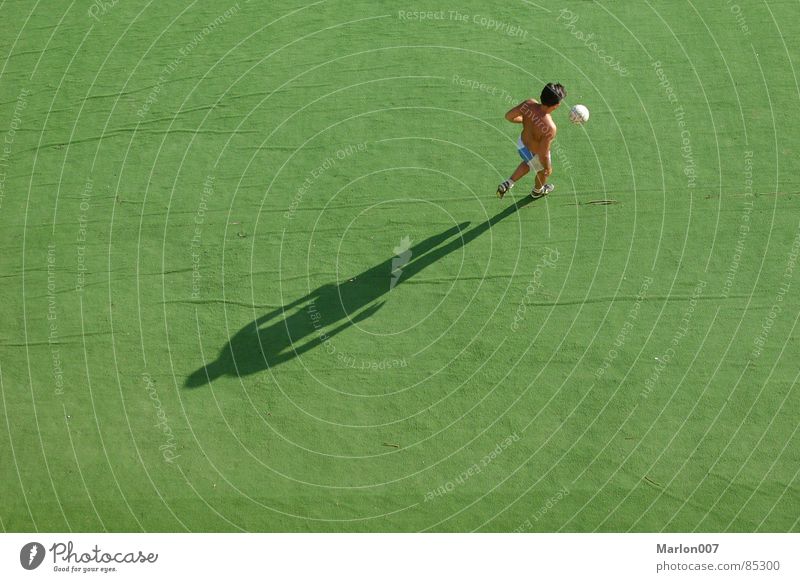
255	276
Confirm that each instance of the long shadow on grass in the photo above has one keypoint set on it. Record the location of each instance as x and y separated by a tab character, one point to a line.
330	309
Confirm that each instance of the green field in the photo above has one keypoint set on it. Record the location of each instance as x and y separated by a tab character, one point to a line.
255	276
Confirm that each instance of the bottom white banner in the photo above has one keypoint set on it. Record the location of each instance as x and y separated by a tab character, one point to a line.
390	557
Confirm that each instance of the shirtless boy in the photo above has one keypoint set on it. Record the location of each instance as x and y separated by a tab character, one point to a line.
538	132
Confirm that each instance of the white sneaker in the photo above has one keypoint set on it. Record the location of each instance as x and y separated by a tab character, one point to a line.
546	189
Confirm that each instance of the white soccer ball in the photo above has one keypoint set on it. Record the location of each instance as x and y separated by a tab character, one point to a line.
579	114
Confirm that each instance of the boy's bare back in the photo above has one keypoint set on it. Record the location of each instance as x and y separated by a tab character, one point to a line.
538	127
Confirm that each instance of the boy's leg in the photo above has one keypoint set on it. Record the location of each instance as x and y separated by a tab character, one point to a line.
518	174
541	179
541	187
521	171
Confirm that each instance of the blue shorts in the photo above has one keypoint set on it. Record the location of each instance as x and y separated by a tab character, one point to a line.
528	156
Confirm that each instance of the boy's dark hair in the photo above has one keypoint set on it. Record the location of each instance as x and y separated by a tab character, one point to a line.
552	94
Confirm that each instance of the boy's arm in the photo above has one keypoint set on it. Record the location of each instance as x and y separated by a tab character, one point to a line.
515	115
549	137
